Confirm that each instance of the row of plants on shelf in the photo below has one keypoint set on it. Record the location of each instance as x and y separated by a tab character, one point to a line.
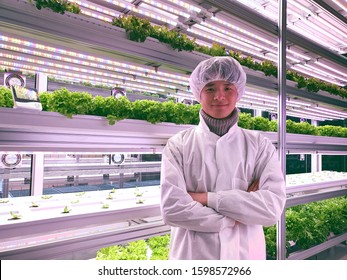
83	103
58	6
142	28
306	226
310	224
154	248
138	29
138	195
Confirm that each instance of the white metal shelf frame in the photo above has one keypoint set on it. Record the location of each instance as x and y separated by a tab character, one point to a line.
46	233
35	131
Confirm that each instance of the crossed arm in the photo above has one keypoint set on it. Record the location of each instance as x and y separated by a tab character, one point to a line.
201	197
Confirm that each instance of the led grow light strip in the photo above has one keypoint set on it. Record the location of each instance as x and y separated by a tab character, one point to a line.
315	69
251	44
260	8
256	37
298	103
301	30
306	116
294	103
187	6
300	67
182	95
254	105
230	35
194	30
255	55
251	102
243	31
168	76
330	68
73	76
274	58
340	5
311	115
250	98
263	105
332	111
319	30
224	35
94	65
161	12
79	70
318	17
263	11
166	8
98	8
141	11
94	15
324	114
298	54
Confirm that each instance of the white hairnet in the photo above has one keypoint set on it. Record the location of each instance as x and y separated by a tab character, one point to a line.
221	68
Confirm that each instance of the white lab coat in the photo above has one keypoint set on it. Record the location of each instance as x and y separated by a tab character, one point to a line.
231	226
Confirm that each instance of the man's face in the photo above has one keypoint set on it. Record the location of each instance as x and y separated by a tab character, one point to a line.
218	99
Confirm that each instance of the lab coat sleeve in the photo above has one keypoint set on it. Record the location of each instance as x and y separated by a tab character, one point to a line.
262	207
177	207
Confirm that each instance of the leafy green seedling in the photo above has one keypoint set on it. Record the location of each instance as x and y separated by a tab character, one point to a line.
140	201
113	191
105	206
138	192
80	194
66	210
4	200
110	196
46	196
15	216
34	204
74	201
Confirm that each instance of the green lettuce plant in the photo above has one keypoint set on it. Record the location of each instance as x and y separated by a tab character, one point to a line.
137	29
6	99
75	103
58	6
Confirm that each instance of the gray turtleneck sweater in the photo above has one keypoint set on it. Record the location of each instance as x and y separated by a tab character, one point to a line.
220	126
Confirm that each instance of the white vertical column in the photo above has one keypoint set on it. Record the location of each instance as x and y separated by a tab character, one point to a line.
316	159
257	112
37	174
41	82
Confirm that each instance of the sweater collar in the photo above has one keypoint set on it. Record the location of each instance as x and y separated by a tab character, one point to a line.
220	127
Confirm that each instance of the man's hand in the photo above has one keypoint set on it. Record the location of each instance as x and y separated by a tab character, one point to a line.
200	197
254	186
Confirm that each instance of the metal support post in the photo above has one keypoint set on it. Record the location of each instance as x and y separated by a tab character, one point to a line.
37	174
282	39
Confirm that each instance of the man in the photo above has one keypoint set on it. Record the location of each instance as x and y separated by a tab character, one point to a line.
220	184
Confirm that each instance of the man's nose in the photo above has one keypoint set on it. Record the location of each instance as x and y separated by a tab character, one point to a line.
220	94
